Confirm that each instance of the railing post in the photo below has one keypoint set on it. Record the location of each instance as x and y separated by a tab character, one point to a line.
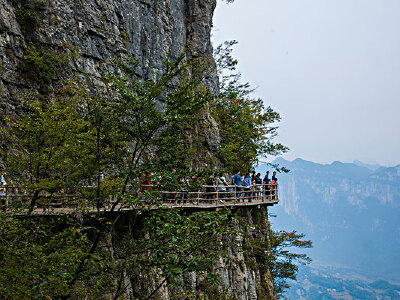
217	195
263	192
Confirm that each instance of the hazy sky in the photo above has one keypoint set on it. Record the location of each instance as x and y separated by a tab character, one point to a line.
331	68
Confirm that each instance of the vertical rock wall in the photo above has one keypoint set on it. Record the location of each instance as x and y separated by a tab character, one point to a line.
101	29
98	30
87	33
241	274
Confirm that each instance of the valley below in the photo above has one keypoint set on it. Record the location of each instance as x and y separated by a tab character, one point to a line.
351	212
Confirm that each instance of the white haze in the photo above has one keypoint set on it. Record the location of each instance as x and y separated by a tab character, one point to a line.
330	68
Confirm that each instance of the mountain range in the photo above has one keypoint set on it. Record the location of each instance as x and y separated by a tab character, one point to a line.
350	211
327	283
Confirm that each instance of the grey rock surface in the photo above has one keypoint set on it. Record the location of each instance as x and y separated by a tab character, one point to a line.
240	276
103	29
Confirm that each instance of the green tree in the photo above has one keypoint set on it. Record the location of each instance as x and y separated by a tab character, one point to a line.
64	144
46	146
282	261
154	117
38	255
178	242
247	132
246	125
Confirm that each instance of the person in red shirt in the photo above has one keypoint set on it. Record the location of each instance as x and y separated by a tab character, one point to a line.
145	181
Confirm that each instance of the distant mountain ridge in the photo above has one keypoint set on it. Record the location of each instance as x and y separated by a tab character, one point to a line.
369	166
351	212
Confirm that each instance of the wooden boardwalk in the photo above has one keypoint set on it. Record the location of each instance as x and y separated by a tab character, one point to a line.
206	197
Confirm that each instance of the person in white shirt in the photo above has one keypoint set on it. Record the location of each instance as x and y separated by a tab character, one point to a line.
221	182
3	184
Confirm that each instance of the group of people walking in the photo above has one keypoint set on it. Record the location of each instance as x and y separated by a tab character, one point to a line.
253	186
240	188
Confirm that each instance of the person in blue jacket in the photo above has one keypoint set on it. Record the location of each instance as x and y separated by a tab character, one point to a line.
247	187
266	178
237	180
274	177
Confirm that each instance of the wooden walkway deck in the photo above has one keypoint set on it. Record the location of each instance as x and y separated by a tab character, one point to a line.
207	197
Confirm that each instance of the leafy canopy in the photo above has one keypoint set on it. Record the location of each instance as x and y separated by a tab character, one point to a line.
246	125
282	261
95	146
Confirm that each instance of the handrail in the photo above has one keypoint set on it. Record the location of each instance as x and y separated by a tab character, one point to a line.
206	195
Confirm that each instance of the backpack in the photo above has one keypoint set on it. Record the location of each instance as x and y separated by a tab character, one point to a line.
234	178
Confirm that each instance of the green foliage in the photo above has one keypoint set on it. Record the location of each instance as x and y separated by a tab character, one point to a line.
282	261
69	140
246	125
275	259
38	256
181	145
25	13
41	64
189	247
175	242
47	146
133	116
63	143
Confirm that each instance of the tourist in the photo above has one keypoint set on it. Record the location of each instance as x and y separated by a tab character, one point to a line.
253	176
247	187
145	181
258	184
210	189
237	180
184	185
221	183
266	178
274	177
3	183
194	186
3	191
266	185
272	187
173	185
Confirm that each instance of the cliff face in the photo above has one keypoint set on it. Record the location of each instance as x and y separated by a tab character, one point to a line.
82	35
242	276
99	30
242	273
